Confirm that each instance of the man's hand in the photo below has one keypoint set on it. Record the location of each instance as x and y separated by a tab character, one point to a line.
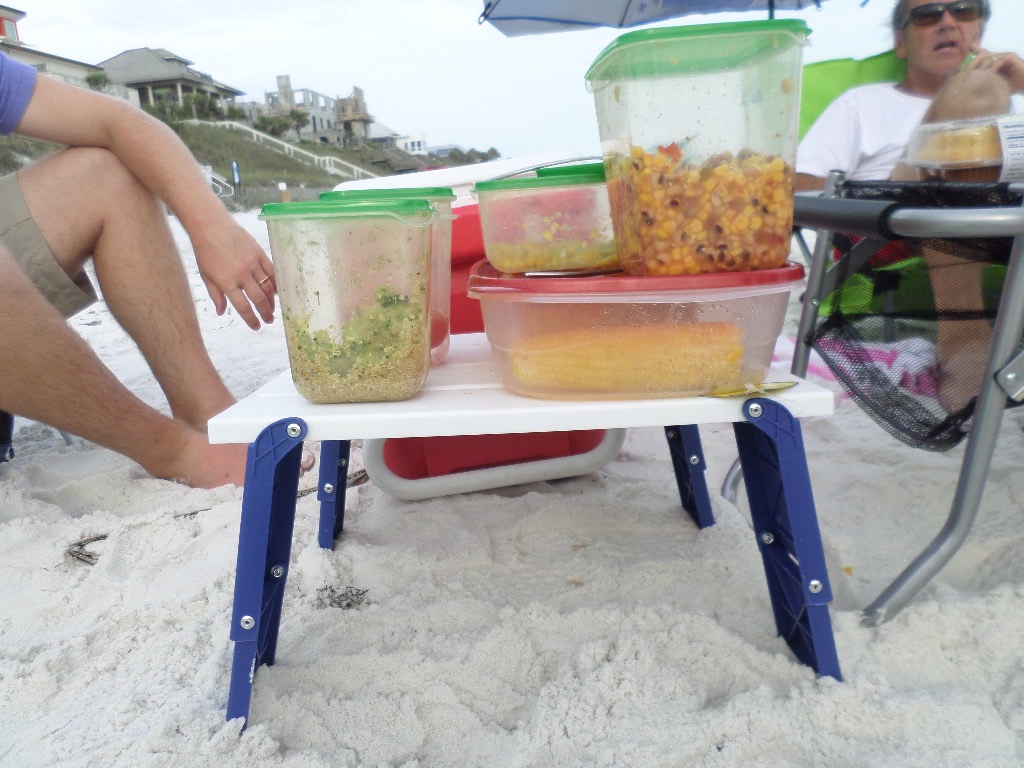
235	268
1007	65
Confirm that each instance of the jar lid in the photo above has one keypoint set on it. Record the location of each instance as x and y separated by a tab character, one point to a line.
486	280
968	143
577	169
398	193
569	179
701	48
418	210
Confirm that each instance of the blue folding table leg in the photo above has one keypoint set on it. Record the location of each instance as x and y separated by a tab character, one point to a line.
778	485
688	462
264	548
334	456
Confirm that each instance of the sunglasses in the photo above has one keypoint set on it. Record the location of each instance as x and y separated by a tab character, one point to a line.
931	13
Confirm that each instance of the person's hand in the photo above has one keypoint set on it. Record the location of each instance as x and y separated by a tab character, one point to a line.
1007	65
235	268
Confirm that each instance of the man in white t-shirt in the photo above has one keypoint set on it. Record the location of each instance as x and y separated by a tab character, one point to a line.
865	130
864	133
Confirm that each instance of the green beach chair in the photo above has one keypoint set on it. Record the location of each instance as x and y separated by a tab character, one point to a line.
823	81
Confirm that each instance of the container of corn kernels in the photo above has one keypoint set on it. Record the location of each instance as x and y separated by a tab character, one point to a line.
557	220
624	336
699	128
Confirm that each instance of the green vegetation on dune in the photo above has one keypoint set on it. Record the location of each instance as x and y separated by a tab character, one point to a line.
16	151
258	165
261	168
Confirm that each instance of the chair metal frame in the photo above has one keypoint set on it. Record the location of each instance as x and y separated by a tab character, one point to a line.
1004	373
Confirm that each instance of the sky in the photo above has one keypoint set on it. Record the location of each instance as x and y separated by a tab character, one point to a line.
424	65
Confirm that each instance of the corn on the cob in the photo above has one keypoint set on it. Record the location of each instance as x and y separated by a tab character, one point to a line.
656	359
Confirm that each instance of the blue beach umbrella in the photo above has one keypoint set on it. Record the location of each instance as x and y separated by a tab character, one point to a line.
531	17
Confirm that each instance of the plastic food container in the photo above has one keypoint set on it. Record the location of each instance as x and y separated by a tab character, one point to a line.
622	336
572	169
353	282
441	199
698	128
556	221
961	150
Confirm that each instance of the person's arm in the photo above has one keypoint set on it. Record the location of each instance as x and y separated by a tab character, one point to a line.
805	182
230	261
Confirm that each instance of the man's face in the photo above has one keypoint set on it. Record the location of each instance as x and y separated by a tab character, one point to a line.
940	49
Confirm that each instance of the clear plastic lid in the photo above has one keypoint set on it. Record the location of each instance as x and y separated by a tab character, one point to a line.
580	177
956	144
398	193
414	210
697	49
488	282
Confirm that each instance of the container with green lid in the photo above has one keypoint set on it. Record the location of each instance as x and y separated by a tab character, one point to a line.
353	278
441	199
555	221
596	167
698	128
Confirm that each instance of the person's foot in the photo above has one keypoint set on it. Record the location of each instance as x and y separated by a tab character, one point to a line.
201	464
211	466
963	347
308	461
225	465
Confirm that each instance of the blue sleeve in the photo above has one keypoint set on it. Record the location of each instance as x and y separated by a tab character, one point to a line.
17	81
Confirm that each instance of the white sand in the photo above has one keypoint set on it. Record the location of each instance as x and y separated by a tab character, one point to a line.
579	622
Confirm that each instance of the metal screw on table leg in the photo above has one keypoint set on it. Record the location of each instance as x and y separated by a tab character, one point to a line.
815	586
755	410
767	538
247	622
671	434
277	571
293	430
695	460
328	488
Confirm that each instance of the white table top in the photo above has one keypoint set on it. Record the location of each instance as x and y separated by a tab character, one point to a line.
463	396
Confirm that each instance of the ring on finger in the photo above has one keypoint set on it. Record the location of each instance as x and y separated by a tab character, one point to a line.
265	279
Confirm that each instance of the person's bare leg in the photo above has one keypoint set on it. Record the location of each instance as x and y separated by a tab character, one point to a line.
962	345
85	202
51	375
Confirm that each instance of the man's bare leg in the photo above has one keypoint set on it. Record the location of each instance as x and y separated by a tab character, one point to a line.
86	203
51	375
962	345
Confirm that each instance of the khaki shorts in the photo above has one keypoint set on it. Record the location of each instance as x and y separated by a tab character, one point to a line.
21	235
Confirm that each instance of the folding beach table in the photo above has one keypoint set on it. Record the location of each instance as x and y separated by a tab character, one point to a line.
463	396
